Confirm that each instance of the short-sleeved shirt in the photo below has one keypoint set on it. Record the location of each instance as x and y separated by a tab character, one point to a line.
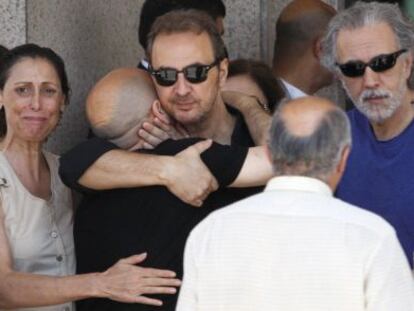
114	224
379	177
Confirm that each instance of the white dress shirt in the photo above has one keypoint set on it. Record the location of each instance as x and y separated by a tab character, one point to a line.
293	91
294	247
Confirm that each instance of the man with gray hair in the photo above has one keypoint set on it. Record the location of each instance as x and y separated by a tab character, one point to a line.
370	48
295	247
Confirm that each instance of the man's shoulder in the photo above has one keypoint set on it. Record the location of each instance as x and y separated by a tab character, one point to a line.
241	134
355	217
307	206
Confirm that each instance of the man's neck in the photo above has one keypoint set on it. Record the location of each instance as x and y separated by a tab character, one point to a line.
300	75
397	123
218	125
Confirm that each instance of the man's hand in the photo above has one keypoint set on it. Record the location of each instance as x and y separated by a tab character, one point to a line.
126	282
188	178
153	133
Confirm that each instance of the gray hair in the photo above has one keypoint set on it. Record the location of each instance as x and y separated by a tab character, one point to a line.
362	14
315	155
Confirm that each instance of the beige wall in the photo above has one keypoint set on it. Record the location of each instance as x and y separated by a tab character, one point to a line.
95	36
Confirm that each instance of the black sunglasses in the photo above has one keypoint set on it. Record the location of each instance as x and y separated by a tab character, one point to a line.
195	73
380	63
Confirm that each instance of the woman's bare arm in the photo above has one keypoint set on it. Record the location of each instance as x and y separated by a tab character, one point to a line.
125	282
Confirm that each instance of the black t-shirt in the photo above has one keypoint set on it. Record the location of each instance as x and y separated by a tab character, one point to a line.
114	224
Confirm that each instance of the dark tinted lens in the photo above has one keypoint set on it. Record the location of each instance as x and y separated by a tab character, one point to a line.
196	73
166	77
379	63
382	62
353	69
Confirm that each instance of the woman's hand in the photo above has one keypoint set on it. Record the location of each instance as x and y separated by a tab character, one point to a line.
127	282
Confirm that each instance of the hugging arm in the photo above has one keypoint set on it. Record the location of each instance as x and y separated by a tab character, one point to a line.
257	119
99	165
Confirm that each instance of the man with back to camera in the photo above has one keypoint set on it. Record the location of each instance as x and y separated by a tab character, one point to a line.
369	47
189	67
150	219
294	247
297	50
151	9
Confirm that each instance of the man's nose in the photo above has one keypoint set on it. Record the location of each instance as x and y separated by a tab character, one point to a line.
182	86
370	78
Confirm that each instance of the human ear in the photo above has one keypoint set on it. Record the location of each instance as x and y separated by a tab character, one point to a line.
158	112
63	104
408	64
317	48
223	71
344	158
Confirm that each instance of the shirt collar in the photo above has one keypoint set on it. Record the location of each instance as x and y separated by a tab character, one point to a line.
299	183
145	64
293	91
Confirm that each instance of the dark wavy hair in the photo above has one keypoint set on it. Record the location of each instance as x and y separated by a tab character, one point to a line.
262	75
17	54
3	52
195	21
152	9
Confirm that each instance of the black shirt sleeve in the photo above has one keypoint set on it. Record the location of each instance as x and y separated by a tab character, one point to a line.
76	161
224	162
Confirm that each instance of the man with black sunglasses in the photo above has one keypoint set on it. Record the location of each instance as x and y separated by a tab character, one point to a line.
369	47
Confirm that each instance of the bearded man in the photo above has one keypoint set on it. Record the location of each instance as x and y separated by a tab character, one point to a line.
369	46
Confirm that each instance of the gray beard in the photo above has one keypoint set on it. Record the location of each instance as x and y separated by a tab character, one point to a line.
378	113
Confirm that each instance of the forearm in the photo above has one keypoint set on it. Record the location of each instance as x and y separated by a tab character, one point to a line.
257	119
123	169
256	171
20	290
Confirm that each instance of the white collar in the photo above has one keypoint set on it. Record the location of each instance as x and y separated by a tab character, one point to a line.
299	183
145	64
293	91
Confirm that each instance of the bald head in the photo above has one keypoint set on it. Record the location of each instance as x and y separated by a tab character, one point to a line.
302	116
307	137
118	103
300	23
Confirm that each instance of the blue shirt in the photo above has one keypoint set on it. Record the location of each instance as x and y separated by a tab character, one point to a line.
380	177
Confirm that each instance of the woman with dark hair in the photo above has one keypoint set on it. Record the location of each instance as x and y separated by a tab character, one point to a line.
3	51
37	259
256	79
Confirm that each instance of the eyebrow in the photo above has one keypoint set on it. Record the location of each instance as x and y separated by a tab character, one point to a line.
29	82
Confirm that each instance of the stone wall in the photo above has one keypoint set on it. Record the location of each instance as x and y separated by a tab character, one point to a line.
12	22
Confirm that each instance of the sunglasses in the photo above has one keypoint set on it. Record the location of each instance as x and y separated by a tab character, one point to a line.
380	63
195	73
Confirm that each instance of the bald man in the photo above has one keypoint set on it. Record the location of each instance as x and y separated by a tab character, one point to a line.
295	247
115	222
120	103
297	48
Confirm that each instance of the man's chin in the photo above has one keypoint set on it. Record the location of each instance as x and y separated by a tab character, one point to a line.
376	114
187	119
